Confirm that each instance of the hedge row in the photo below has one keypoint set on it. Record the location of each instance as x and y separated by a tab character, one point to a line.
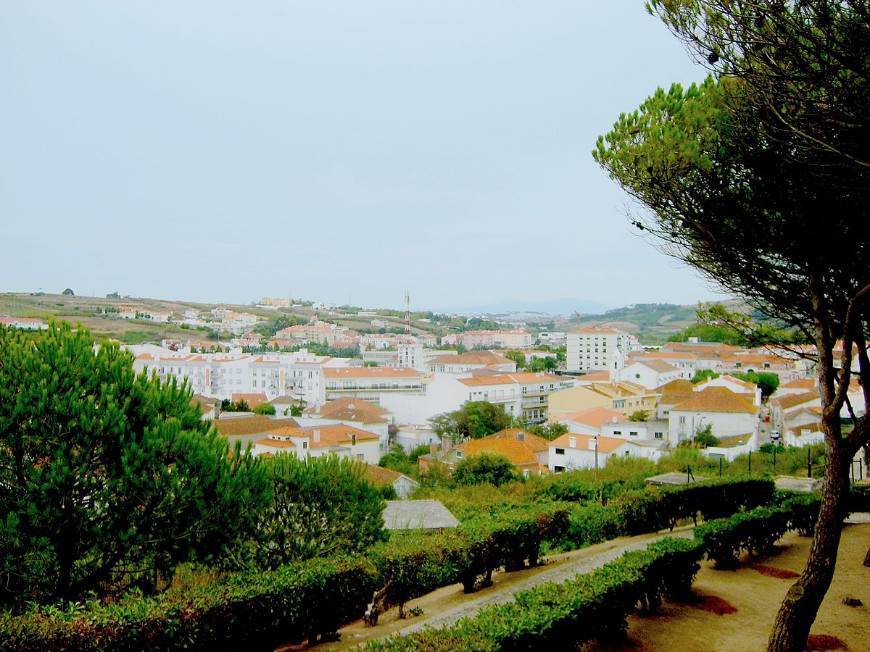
593	606
655	509
304	601
756	531
412	565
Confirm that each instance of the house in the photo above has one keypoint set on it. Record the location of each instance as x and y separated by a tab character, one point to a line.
441	393
252	399
527	452
248	428
796	386
684	362
649	373
728	414
576	399
515	338
463	363
589	421
210	406
353	412
24	323
571	452
746	389
637	430
381	477
670	394
317	441
598	348
783	406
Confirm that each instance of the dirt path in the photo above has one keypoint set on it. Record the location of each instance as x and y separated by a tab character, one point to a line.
448	604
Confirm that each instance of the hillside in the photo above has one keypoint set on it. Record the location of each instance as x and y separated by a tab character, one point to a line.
651	322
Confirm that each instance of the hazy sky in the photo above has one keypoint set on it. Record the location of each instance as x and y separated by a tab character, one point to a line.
341	151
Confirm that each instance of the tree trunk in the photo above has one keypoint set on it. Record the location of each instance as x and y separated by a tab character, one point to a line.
798	611
867	558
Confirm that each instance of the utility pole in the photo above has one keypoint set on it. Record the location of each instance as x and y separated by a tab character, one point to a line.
407	312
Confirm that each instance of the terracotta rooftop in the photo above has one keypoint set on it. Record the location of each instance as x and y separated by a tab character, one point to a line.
252	425
511	379
595	417
715	399
253	400
519	453
353	409
327	436
791	400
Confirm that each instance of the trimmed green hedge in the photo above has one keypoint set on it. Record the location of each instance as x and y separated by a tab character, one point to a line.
590	606
755	531
657	508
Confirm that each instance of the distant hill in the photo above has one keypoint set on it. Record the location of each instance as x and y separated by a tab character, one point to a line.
653	323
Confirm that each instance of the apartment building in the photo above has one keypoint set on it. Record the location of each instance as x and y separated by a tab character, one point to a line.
516	338
599	348
523	395
339	439
463	363
369	383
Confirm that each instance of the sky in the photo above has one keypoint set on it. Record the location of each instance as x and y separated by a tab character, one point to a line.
336	151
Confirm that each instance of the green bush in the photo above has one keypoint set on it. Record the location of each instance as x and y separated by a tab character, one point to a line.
591	606
485	468
259	609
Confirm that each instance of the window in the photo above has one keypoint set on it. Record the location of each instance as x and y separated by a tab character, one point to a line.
617	432
659	435
632	433
560	451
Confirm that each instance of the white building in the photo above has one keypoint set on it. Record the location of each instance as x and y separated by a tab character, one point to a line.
24	323
747	390
463	363
649	373
516	338
571	452
599	348
728	414
523	395
371	383
441	393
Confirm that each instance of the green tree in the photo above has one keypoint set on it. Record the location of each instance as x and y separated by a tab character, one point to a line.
321	505
398	460
296	410
68	293
475	419
107	478
768	382
759	178
518	357
265	408
543	364
703	374
549	431
485	467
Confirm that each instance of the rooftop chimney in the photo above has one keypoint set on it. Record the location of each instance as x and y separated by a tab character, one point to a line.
316	436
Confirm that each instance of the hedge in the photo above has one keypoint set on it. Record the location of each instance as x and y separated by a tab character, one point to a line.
657	508
588	607
263	609
755	531
313	599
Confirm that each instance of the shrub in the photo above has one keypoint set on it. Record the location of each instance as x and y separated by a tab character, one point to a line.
265	408
485	467
320	505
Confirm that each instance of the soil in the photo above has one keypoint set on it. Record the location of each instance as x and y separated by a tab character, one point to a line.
756	596
773	571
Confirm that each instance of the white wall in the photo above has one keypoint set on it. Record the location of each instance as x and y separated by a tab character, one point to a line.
684	425
444	393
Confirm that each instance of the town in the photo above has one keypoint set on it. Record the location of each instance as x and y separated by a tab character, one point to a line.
440	327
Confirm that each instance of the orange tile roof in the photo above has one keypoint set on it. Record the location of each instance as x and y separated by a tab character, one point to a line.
370	372
519	453
380	476
332	435
275	443
596	375
664	355
251	425
676	391
605	444
657	365
253	400
354	409
537	444
715	399
791	400
800	383
596	416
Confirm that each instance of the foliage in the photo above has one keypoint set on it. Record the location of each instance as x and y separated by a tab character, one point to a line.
271	327
548	615
296	410
235	406
711	333
548	431
619	474
639	415
485	467
397	459
704	436
255	609
766	381
475	419
265	408
68	293
107	478
320	506
703	374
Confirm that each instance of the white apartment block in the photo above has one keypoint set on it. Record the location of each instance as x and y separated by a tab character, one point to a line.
523	395
516	338
599	348
369	383
220	375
